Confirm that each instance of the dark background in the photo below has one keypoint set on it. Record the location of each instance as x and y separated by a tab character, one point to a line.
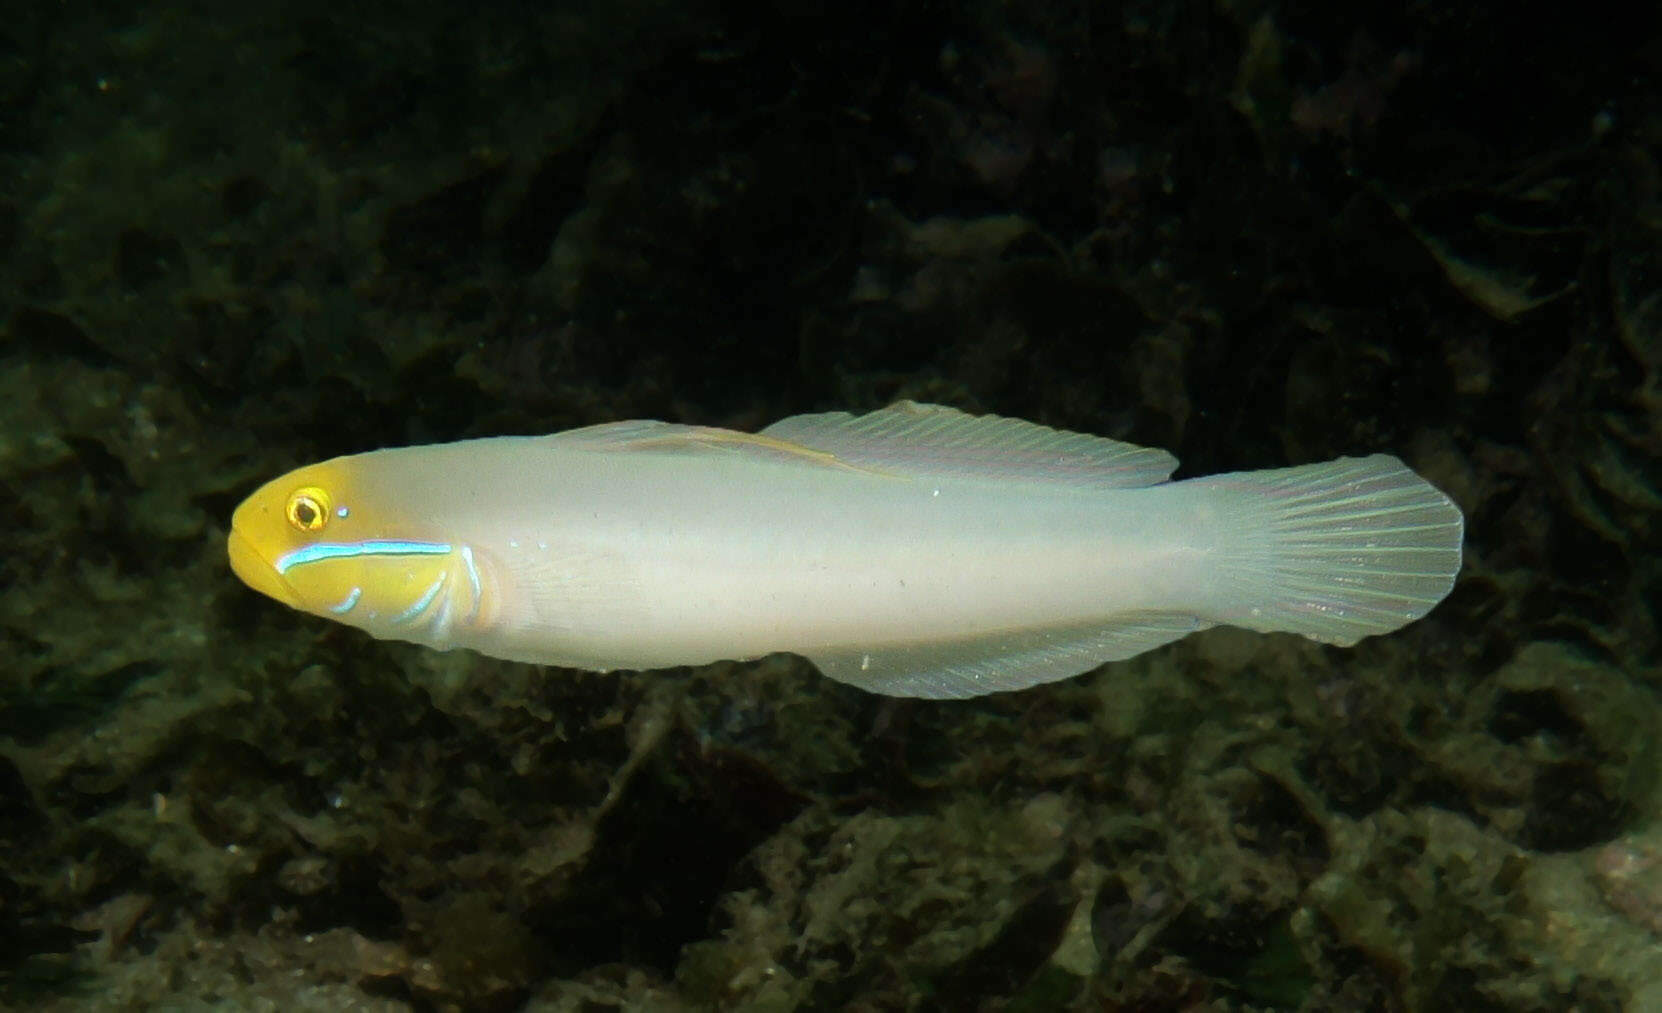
238	239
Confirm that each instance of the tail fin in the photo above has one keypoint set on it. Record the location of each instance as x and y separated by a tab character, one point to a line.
1336	551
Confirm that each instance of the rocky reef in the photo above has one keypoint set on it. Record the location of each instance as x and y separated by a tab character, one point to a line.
238	239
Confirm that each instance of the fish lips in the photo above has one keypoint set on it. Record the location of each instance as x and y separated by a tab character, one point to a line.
256	571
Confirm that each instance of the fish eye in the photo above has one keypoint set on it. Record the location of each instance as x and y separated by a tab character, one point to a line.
308	508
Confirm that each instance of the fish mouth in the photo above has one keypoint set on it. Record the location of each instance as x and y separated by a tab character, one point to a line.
256	571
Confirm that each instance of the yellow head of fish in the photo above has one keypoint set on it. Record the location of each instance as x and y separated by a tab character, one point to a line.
329	540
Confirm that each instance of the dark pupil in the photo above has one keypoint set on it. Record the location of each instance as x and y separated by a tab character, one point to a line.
305	513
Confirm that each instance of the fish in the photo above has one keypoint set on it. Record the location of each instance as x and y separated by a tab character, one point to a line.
916	550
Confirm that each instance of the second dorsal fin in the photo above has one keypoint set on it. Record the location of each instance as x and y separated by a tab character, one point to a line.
924	439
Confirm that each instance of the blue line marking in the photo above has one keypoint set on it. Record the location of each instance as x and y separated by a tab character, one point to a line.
426	600
472	578
346	606
340	550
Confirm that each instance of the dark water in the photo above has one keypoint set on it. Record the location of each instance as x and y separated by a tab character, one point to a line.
238	238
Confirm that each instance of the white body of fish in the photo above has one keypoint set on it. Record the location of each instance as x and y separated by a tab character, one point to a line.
916	551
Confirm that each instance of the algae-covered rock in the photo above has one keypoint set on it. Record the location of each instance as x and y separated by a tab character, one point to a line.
239	238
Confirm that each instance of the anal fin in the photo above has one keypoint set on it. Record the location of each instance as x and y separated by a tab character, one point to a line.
1004	661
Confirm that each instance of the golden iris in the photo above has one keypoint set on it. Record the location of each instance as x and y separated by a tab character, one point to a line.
308	508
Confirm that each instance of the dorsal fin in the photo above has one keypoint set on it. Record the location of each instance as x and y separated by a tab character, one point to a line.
924	439
622	434
672	437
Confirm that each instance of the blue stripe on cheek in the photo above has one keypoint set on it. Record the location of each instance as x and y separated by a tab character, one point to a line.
346	606
426	600
472	579
340	550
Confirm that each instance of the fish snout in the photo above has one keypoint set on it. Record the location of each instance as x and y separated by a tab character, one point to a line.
256	571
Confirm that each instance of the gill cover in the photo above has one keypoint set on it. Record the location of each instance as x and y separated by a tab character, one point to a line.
319	539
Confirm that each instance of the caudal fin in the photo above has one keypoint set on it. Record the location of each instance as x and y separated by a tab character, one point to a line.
1336	551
